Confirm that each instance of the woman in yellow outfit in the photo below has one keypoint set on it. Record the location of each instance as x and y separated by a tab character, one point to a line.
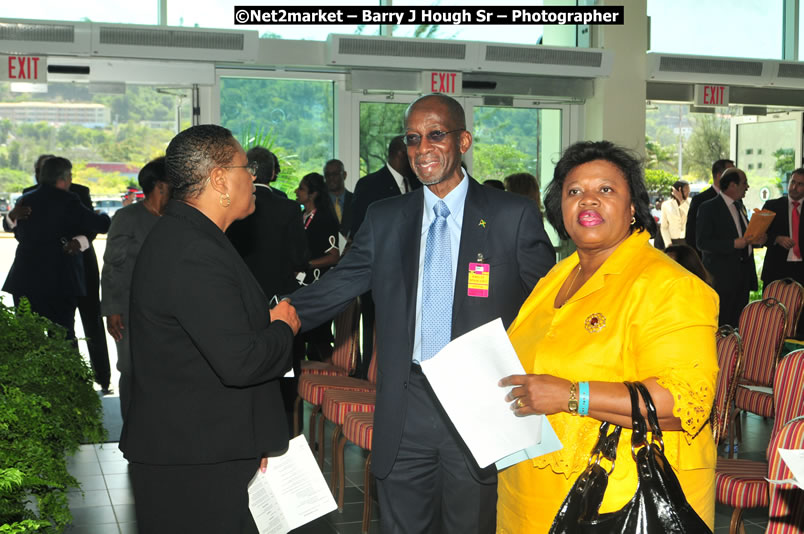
616	310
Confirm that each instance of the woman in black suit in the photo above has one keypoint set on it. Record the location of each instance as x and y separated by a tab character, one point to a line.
321	230
207	352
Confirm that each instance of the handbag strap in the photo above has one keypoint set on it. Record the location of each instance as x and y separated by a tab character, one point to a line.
639	431
653	416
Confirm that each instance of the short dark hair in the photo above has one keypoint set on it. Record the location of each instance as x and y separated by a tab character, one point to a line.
688	258
585	151
496	184
277	168
265	163
193	153
729	176
315	184
38	164
525	184
800	170
54	169
719	166
153	172
337	163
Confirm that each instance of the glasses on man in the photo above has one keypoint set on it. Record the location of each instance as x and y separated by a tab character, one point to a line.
251	167
436	136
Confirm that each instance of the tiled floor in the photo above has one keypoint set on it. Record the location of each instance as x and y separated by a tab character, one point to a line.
107	504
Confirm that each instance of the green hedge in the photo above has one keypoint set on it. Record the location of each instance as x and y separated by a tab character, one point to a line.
48	407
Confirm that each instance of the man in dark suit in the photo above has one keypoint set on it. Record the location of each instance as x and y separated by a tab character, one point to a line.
692	214
727	255
48	268
394	178
413	252
88	304
272	243
341	198
786	237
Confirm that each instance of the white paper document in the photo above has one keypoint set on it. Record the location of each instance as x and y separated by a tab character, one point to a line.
292	491
794	459
464	376
758	389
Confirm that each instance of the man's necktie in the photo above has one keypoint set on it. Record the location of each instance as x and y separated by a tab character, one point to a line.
796	220
338	212
437	290
744	252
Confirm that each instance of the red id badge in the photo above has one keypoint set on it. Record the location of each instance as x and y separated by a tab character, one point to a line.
479	274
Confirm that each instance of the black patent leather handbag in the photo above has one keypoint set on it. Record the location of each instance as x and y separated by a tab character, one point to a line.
659	504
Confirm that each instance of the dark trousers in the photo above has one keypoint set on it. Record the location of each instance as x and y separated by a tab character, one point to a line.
734	292
89	308
193	499
60	310
431	488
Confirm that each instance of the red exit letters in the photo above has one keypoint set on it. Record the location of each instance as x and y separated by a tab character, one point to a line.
442	82
713	95
23	68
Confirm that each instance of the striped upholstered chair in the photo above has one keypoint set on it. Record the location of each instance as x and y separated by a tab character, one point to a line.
762	328
791	294
729	356
786	511
336	406
312	389
344	356
741	483
358	427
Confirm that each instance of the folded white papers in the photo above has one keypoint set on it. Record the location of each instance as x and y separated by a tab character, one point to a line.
794	459
291	493
464	376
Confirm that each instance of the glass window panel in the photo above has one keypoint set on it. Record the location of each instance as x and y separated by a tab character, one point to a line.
772	161
84	10
379	123
220	14
515	34
685	27
292	118
516	140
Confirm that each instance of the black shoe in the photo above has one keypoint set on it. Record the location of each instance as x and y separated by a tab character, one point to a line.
107	391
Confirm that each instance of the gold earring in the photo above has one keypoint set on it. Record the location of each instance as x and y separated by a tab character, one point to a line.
633	220
225	200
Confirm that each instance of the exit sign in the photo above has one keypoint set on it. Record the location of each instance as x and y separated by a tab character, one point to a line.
711	95
448	83
31	69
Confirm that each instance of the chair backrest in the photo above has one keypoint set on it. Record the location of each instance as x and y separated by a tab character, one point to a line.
786	511
344	355
788	393
372	370
762	327
791	294
729	359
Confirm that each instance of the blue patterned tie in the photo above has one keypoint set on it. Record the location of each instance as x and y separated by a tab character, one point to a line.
437	287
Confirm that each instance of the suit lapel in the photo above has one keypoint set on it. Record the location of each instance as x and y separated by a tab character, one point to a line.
472	244
727	217
408	232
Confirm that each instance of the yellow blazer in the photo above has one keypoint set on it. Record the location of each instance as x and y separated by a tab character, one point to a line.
640	315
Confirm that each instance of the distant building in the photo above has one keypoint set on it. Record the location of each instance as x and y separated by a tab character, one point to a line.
87	114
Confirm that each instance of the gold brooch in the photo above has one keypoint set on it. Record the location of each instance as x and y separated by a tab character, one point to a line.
595	323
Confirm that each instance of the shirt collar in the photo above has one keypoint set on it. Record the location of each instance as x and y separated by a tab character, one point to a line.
729	201
266	186
454	200
400	180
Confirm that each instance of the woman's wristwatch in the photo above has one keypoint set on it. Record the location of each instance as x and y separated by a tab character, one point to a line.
572	405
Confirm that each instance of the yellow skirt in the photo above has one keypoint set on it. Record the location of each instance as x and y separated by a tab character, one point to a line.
529	497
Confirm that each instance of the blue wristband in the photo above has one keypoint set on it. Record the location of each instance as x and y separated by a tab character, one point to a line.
583	398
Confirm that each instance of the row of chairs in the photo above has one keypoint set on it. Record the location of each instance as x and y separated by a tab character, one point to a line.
754	377
345	401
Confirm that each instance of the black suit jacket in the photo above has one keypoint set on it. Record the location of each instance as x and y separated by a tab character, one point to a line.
776	265
691	230
205	356
40	266
272	242
371	188
346	214
384	258
90	259
715	238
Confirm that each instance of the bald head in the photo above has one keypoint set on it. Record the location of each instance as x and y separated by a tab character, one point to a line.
452	110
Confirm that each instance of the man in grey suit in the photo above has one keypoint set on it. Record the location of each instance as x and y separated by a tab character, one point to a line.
413	252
